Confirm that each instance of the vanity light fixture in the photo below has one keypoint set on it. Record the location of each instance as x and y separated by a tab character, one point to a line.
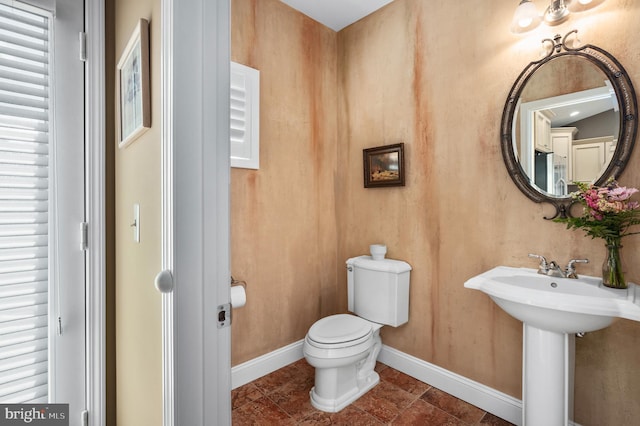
556	13
527	18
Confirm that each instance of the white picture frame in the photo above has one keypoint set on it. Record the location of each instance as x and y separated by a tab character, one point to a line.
133	103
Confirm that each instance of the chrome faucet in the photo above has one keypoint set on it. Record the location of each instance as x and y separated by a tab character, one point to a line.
552	269
544	266
571	267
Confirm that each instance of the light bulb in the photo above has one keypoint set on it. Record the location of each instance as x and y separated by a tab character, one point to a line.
525	18
582	5
525	22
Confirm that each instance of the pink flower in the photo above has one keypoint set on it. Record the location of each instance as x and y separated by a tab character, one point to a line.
608	211
621	193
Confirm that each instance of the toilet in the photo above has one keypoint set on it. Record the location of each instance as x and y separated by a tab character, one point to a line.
343	348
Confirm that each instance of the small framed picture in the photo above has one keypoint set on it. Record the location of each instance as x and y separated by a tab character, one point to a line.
384	166
132	82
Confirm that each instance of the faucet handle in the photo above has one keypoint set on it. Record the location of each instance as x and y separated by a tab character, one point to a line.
571	267
543	262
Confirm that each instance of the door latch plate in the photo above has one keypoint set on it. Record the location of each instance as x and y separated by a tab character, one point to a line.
224	315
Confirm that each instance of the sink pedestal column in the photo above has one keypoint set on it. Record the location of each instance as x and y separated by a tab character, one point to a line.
547	381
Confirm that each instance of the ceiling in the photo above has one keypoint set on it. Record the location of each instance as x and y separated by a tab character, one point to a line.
337	14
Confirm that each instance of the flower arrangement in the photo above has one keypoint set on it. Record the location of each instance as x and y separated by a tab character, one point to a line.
608	214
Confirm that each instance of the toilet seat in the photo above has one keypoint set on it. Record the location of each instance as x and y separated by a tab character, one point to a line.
340	330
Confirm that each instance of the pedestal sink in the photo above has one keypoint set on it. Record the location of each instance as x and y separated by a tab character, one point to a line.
552	311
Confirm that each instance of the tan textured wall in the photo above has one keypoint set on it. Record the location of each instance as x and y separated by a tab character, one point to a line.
435	76
283	224
137	303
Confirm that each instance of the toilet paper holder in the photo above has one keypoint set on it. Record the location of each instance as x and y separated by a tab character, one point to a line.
238	293
224	311
238	282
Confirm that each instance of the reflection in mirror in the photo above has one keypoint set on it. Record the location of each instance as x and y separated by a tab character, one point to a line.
569	117
567	126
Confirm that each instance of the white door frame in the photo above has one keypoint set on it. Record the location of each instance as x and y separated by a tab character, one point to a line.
95	214
195	56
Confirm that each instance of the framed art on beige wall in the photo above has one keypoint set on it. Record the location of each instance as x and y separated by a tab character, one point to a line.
384	166
133	102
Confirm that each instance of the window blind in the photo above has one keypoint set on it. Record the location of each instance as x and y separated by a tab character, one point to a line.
238	105
24	205
245	116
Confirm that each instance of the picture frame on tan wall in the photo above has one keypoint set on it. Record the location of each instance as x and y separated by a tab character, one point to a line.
384	166
133	116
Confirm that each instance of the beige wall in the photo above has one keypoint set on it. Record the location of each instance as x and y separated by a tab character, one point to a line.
137	303
435	76
283	223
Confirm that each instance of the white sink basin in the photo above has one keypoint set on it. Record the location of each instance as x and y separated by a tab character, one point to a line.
561	305
552	310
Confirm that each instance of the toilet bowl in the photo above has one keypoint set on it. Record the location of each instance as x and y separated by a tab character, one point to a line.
343	349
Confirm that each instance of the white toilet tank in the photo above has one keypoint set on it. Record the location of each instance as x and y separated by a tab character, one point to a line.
378	290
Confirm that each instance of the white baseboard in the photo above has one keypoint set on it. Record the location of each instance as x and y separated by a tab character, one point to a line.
484	397
253	369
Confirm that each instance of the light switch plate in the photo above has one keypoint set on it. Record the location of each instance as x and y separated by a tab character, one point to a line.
136	223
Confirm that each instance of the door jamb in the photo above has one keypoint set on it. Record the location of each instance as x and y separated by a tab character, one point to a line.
195	138
95	143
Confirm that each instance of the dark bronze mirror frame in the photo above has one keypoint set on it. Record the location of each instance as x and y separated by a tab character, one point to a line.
625	94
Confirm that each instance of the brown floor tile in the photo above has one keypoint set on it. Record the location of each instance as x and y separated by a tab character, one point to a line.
379	367
490	419
263	412
384	401
244	394
350	416
404	381
422	413
317	418
274	380
293	398
282	398
452	405
304	367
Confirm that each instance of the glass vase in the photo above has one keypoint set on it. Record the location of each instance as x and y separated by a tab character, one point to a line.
612	273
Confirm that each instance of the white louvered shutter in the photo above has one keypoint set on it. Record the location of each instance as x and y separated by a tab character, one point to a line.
245	116
24	205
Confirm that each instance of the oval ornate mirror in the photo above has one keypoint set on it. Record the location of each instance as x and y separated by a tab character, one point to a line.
569	117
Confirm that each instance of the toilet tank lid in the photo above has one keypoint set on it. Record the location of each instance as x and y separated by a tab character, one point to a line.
384	265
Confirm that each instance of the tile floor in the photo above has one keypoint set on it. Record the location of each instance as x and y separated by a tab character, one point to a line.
282	398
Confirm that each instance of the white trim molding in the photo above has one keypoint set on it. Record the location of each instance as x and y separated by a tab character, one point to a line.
255	368
484	397
95	215
167	238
